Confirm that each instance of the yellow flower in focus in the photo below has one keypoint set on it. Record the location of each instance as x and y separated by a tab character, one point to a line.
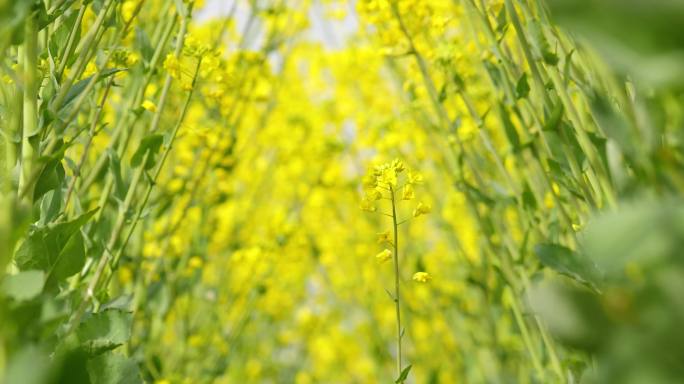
421	277
421	209
407	193
149	106
384	256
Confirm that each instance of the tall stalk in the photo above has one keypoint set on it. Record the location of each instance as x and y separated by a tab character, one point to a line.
397	294
29	150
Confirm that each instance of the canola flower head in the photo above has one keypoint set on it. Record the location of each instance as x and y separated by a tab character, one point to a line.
384	256
384	237
148	105
128	9
421	277
422	209
172	65
415	177
367	205
408	193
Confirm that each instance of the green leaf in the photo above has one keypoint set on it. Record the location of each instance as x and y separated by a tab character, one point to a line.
81	85
522	88
550	57
71	367
28	364
70	260
12	15
50	178
56	249
143	43
115	169
554	120
567	262
105	330
645	233
114	368
509	128
151	144
24	285
404	374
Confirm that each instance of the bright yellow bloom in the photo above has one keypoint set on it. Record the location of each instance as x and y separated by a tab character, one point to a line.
421	277
127	9
149	106
388	177
408	193
421	209
172	65
384	256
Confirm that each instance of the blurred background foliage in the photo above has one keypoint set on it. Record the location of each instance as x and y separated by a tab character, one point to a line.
181	185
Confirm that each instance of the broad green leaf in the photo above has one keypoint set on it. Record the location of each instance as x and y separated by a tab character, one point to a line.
567	262
24	285
151	144
105	330
639	37
613	124
56	249
70	260
28	365
70	366
404	375
645	233
113	368
50	178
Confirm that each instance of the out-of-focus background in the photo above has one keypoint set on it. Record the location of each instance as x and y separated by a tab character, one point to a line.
199	191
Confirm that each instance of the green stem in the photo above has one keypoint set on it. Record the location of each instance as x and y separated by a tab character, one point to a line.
86	149
154	178
29	146
515	307
128	200
397	296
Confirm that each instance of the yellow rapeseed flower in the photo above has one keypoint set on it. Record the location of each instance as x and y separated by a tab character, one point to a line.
421	277
149	106
384	256
407	193
421	209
